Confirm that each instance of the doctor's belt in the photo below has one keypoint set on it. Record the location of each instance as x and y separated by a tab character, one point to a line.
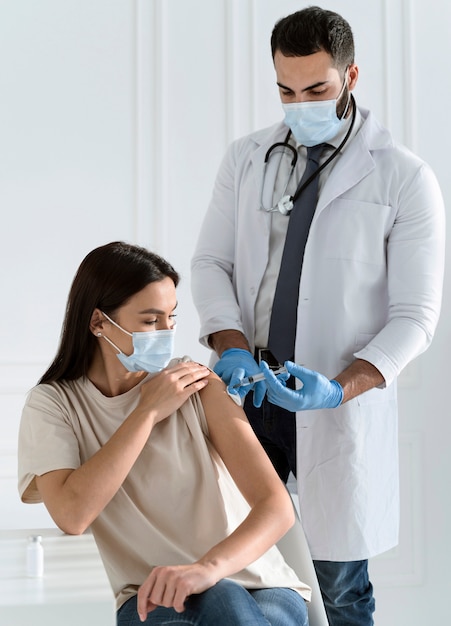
264	354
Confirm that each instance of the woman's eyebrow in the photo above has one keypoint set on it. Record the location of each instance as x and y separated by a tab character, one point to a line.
147	311
155	311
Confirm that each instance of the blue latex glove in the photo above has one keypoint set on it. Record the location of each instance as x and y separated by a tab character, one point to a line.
318	392
234	365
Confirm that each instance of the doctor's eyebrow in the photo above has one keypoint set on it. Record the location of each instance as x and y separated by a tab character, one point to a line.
314	86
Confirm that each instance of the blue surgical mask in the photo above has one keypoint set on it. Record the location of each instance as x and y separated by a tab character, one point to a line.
316	122
152	350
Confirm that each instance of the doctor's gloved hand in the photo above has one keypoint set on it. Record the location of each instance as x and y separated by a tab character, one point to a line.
318	392
236	364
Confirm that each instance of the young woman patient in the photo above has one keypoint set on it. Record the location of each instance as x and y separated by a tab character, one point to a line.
154	457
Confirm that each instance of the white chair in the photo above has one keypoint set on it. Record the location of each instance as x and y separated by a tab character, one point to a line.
296	552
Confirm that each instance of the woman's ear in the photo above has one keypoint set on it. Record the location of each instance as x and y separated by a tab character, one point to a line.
97	322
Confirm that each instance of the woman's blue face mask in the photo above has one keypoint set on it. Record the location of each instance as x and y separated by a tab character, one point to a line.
152	350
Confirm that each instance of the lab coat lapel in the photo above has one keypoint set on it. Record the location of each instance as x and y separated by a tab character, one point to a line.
350	168
356	162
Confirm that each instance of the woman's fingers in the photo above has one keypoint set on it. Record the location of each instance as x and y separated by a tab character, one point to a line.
165	392
170	586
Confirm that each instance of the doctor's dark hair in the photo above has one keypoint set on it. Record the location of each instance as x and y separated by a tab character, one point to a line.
106	279
311	30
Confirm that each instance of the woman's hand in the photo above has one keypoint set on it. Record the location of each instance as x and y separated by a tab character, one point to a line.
165	392
171	585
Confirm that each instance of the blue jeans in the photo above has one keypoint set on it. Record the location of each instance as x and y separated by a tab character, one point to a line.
276	430
347	592
226	604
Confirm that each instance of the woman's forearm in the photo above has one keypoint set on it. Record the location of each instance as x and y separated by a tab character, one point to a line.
266	523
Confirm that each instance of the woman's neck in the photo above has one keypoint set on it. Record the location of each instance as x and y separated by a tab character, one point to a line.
110	376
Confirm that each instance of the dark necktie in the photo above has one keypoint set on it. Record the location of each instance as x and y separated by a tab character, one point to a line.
282	328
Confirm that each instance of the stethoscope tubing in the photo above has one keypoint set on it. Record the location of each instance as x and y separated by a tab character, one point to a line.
316	173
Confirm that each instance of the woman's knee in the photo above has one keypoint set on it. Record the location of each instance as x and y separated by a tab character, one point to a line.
281	606
225	603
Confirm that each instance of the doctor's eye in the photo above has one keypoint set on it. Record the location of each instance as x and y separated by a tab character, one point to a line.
317	92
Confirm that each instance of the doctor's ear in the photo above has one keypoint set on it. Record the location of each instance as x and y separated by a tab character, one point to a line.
96	325
353	73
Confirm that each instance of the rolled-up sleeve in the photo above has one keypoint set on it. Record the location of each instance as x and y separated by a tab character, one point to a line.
415	269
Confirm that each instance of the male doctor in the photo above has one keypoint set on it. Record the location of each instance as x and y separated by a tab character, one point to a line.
368	298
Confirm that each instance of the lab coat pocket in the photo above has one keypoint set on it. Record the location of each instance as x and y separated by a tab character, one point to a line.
358	231
378	395
374	396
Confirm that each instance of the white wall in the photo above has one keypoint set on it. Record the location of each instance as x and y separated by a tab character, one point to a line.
114	115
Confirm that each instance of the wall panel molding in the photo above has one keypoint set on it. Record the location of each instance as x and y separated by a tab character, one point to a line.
399	69
241	71
409	83
151	160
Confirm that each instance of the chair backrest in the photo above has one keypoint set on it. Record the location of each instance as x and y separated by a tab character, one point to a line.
296	552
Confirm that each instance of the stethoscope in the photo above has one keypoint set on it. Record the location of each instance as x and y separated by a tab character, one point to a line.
286	203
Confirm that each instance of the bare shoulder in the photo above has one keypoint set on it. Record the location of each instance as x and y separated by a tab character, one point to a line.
215	395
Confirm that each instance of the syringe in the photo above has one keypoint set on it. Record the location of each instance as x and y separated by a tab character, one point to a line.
250	380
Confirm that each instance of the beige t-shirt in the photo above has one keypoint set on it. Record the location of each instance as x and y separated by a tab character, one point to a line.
177	501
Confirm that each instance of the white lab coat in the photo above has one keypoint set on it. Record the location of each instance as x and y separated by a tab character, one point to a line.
370	288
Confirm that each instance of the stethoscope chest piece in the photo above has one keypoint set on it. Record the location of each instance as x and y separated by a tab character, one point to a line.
285	205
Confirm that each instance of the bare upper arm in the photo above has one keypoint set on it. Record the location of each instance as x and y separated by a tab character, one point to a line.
235	441
50	486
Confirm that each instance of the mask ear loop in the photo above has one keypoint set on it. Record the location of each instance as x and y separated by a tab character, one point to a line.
110	342
117	326
341	93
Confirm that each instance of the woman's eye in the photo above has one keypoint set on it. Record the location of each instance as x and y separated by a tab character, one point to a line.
151	322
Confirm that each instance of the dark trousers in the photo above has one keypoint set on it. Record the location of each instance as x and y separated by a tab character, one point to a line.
347	592
276	430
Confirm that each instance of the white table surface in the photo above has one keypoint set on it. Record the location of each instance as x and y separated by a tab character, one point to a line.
74	590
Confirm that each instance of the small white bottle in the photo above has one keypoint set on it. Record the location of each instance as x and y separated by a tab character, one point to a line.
35	557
